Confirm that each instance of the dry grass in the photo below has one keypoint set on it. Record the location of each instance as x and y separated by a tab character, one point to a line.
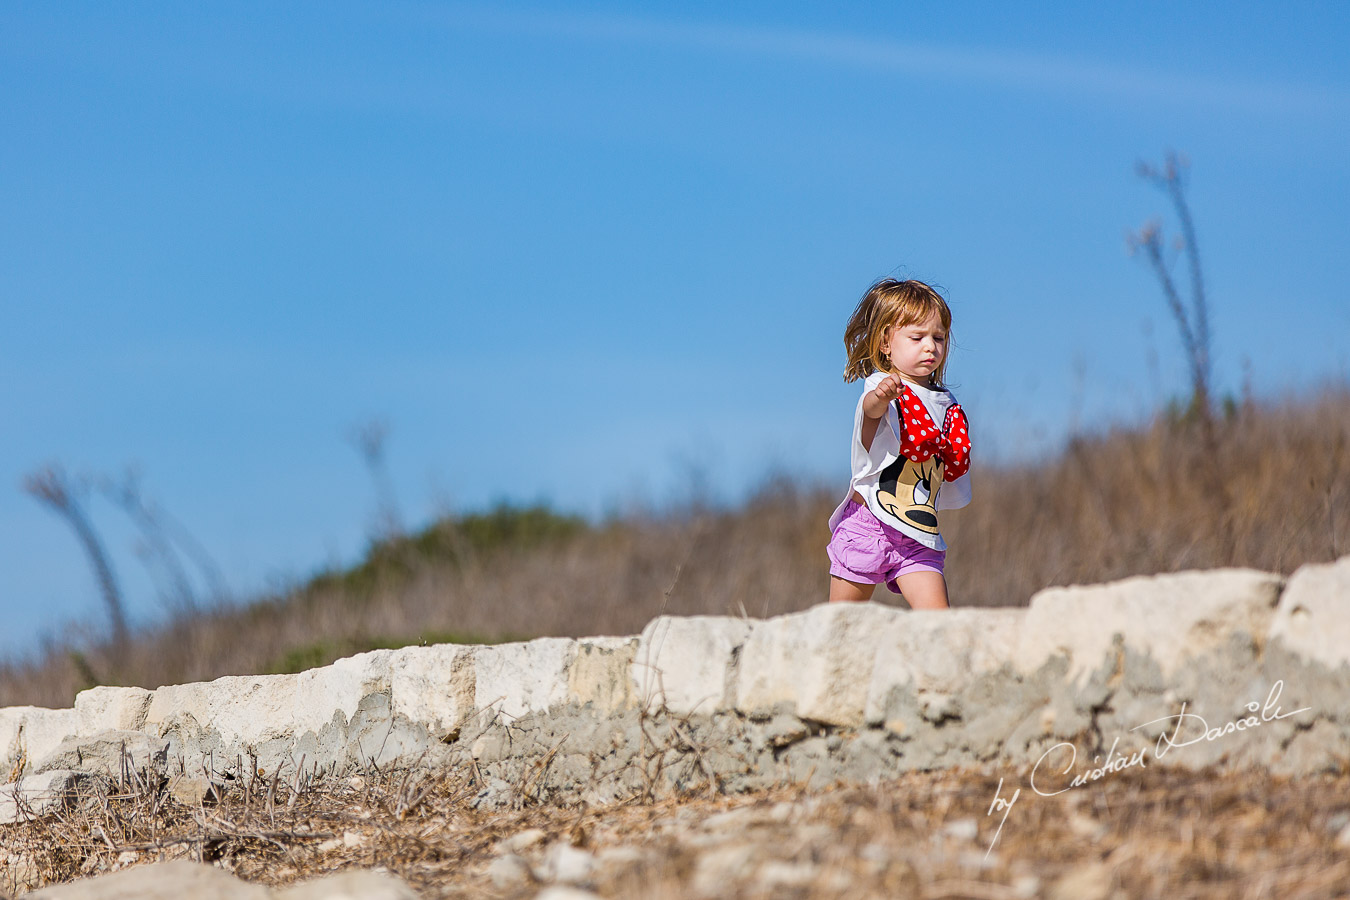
1272	491
1146	833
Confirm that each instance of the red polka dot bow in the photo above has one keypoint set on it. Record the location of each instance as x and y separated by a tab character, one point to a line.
921	439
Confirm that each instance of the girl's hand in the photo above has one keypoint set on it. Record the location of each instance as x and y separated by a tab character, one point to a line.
874	407
889	389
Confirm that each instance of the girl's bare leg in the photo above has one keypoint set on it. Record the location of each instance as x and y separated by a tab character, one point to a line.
923	589
843	591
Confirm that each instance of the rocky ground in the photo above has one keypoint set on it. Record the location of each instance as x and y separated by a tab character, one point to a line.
1138	833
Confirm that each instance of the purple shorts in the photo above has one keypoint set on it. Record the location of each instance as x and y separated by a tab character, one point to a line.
866	550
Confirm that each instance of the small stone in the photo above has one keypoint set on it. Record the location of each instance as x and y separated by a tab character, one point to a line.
784	729
779	874
569	865
495	793
614	861
962	829
1343	839
373	884
160	881
1086	826
978	859
510	870
1026	887
718	870
733	819
190	790
523	840
1088	882
835	883
565	892
356	783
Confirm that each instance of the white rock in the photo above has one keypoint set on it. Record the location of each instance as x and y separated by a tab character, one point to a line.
1170	617
36	795
939	652
568	864
717	871
776	873
433	685
509	870
106	708
512	680
524	840
686	662
240	708
338	688
819	661
102	753
961	829
353	884
565	892
598	673
32	733
161	881
738	819
1089	881
1313	617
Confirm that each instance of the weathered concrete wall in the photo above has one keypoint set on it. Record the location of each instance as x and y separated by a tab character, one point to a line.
1146	666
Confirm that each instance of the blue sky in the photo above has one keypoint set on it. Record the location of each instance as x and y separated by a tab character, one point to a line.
580	253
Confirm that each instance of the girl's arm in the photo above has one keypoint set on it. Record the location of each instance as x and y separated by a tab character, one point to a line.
875	404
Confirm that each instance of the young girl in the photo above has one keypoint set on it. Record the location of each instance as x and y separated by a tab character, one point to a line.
910	450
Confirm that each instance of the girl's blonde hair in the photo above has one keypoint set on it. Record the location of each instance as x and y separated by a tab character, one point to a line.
890	304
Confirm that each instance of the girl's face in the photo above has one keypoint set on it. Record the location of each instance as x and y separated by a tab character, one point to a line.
916	350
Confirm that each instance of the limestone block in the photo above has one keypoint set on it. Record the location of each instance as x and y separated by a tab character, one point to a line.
353	884
30	733
818	661
1171	617
598	674
686	663
11	732
512	680
160	881
101	754
241	709
1313	617
938	653
111	709
35	795
433	686
338	688
19	872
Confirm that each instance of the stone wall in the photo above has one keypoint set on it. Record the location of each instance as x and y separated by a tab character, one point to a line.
1232	668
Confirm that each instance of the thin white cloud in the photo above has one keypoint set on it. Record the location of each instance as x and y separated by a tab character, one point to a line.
1002	69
